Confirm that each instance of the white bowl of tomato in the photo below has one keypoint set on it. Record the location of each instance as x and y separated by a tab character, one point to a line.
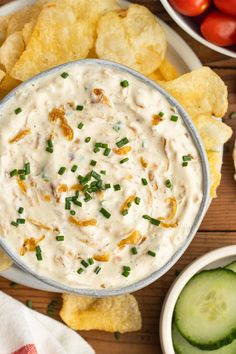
210	22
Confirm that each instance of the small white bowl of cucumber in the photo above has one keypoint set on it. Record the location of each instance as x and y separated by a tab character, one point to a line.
199	312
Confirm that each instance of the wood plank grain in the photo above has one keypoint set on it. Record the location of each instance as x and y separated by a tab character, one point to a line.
150	301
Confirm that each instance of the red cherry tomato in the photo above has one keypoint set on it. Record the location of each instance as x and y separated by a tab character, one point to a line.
190	7
226	6
219	28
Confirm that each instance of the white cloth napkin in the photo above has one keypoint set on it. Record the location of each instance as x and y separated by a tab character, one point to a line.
25	331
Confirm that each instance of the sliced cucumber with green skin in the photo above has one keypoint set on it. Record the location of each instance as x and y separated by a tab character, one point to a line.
182	346
205	312
231	266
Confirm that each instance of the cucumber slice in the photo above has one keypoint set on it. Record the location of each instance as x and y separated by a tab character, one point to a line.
231	266
182	346
205	312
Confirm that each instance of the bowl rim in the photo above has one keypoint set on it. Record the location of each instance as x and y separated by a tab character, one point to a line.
205	183
178	18
165	327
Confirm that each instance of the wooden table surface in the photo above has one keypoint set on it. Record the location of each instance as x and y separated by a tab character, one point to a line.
218	227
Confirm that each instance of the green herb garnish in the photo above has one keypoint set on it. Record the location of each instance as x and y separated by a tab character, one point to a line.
168	183
13	173
87	140
74	168
116	187
144	181
60	238
61	170
134	250
97	269
79	108
105	213
64	75
151	253
174	118
122	142
20	210
18	110
80	125
137	200
124	160
124	83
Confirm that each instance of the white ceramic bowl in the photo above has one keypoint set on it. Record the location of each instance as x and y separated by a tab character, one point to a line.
217	258
187	24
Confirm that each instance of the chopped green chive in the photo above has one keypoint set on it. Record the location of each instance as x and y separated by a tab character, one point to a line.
144	181
134	250
174	118
20	221
151	253
103	172
116	187
96	149
84	263
80	270
93	163
117	335
74	168
27	168
72	212
124	83
152	220
95	175
97	269
60	238
87	140
80	125
107	186
79	108
161	114
124	212
101	145
87	197
13	173
14	223
13	284
90	261
61	170
232	115
67	204
18	110
129	205
127	268
29	304
21	172
168	183
22	177
122	142
39	256
184	164
50	143
126	273
105	213
20	210
107	151
124	160
187	158
77	202
50	150
64	75
137	200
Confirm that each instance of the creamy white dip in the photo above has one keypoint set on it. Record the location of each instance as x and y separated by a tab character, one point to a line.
44	128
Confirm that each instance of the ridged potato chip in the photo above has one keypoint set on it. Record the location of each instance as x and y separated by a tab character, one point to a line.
200	92
11	50
8	83
156	76
28	30
215	162
132	37
18	19
4	21
168	70
57	38
5	261
111	314
213	132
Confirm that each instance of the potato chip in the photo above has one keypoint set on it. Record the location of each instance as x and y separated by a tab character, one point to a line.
11	50
28	30
156	76
4	21
132	37
57	38
213	132
111	314
5	261
8	83
2	75
18	19
200	92
215	162
168	70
